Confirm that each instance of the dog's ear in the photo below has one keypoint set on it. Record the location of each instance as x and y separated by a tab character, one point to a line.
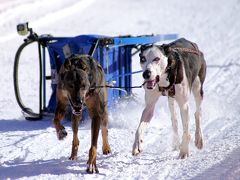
171	69
175	69
179	76
144	47
165	48
172	63
67	64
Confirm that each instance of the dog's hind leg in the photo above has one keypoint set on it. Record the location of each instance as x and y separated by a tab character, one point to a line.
197	92
75	142
172	107
59	115
147	114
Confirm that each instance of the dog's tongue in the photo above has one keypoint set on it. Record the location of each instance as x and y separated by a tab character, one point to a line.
151	84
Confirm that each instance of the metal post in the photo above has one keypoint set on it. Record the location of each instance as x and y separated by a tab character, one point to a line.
44	77
40	78
107	61
93	48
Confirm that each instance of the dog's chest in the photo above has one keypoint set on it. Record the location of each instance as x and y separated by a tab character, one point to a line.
167	92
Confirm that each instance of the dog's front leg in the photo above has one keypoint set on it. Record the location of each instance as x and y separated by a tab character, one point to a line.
147	114
184	111
105	147
92	167
172	107
75	142
59	114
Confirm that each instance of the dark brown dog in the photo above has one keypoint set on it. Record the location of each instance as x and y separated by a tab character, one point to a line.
78	77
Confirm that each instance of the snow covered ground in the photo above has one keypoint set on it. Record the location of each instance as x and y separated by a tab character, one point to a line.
30	150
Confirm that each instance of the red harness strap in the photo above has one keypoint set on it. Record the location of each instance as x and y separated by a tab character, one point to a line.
194	51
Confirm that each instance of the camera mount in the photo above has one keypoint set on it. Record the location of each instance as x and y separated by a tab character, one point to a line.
23	30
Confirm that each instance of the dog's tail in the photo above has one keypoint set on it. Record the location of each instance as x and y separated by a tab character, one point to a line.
202	73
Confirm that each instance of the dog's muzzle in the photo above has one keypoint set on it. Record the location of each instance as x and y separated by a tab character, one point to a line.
150	84
76	109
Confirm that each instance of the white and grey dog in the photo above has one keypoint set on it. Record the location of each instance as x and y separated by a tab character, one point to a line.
174	70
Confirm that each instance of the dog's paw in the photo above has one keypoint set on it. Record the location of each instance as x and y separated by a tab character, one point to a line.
183	154
184	147
92	168
198	140
137	148
91	164
136	151
61	134
106	150
73	157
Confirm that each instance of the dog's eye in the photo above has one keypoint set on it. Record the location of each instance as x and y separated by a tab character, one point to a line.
142	59
156	59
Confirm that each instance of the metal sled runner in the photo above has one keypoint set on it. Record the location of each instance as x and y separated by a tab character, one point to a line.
113	53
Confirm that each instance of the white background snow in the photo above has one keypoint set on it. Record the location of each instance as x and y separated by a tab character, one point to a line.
30	150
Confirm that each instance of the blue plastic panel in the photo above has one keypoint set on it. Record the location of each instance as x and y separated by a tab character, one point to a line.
123	41
115	58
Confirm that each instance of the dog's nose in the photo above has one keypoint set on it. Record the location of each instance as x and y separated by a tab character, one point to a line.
78	100
146	74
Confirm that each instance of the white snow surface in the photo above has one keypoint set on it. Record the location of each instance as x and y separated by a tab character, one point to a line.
30	150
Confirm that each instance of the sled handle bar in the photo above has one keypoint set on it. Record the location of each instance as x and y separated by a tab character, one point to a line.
30	115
